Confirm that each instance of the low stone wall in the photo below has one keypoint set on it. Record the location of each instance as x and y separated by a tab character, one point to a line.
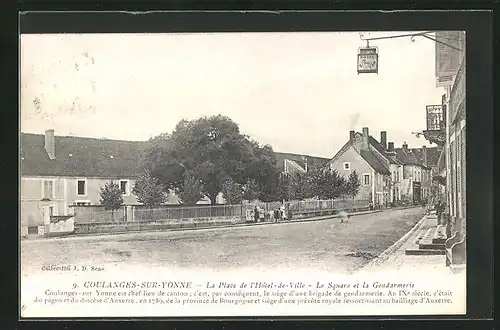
110	227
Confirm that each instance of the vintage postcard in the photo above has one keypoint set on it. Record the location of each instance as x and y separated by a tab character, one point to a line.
243	174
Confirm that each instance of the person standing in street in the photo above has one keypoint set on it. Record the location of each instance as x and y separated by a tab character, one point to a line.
256	213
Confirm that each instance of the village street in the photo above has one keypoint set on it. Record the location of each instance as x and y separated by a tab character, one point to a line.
326	245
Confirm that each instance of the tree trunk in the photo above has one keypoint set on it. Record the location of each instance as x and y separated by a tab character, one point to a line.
213	199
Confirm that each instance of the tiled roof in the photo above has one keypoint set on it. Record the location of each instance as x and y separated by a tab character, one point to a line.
407	157
78	156
312	161
416	156
374	143
433	156
373	161
90	157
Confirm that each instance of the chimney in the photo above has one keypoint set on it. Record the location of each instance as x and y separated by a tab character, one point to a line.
50	143
424	154
405	147
390	147
383	139
366	135
351	135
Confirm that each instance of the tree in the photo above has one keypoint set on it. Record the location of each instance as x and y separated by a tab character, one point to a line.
149	190
353	184
191	190
232	191
251	190
325	184
111	197
211	150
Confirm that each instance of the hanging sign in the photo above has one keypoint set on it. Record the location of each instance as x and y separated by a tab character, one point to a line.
368	60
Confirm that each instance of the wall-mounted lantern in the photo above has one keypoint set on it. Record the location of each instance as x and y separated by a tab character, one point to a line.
368	59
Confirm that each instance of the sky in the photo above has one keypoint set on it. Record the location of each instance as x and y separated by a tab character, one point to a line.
299	92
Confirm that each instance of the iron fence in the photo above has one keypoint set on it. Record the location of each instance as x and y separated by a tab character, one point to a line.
140	213
332	204
144	213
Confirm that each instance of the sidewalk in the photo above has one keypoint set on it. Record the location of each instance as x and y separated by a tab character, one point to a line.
395	258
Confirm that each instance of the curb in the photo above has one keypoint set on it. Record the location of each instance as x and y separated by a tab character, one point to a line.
390	250
83	236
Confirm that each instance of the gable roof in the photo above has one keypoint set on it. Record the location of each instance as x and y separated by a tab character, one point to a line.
369	155
374	162
312	161
79	156
407	157
433	156
375	144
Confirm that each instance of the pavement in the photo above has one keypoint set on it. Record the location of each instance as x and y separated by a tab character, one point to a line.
328	245
395	258
35	238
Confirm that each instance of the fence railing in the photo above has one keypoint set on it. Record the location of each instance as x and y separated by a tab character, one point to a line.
140	213
332	204
143	213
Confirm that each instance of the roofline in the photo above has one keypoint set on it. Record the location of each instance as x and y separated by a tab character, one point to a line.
88	138
299	155
39	176
145	141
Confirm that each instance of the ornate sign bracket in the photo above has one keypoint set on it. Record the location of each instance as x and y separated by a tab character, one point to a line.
412	38
437	137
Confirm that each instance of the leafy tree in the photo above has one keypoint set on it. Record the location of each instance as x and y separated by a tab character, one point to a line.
335	185
315	182
191	190
149	190
299	186
111	197
353	184
232	191
210	149
251	190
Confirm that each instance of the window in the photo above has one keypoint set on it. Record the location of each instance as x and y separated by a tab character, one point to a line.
124	187
397	176
366	179
347	166
81	187
48	189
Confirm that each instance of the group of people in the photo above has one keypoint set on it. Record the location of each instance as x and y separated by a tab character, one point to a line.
278	214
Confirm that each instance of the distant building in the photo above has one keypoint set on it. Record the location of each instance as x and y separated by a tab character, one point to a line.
368	158
59	171
417	177
293	163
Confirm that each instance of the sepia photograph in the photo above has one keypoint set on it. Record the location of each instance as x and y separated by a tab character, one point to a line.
231	174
